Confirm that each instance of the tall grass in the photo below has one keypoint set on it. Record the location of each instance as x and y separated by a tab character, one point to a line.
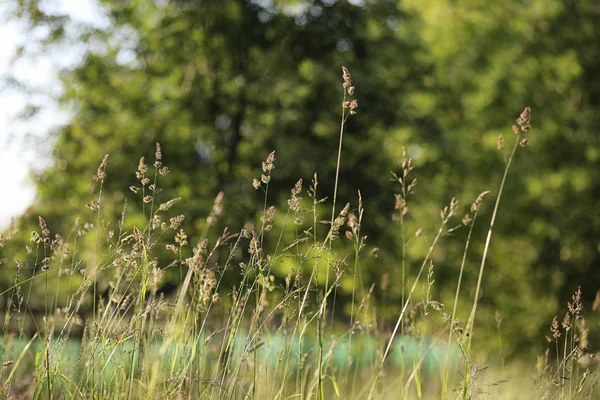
233	330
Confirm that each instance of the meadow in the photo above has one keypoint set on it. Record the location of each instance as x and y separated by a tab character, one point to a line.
255	313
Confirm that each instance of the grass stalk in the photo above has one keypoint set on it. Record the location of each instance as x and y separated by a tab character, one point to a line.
455	306
446	214
524	125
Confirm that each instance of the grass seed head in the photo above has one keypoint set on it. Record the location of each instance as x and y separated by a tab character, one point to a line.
158	156
524	120
566	323
166	206
466	220
176	221
142	169
346	77
576	307
477	203
101	172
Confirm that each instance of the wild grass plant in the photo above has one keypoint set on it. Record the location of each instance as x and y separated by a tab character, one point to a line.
262	337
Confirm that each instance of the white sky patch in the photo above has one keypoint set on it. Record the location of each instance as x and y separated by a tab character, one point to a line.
19	152
15	193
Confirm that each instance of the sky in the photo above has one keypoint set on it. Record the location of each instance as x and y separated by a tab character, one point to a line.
24	145
16	192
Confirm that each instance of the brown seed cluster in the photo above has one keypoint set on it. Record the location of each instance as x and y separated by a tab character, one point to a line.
479	200
158	156
339	221
566	324
181	238
347	81
101	172
407	188
449	211
523	125
354	225
254	247
217	209
142	169
576	308
352	104
524	120
267	219
45	231
466	220
573	319
267	166
199	254
176	221
205	282
294	201
554	330
166	206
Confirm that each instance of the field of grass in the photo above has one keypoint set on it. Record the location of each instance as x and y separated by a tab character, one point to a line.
262	337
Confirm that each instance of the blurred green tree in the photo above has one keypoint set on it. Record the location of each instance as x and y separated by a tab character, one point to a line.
221	84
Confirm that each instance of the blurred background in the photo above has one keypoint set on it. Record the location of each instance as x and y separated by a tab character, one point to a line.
221	84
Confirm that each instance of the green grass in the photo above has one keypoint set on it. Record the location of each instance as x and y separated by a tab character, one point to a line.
108	332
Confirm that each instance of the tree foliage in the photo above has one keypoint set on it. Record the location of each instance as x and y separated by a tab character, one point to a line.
221	84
